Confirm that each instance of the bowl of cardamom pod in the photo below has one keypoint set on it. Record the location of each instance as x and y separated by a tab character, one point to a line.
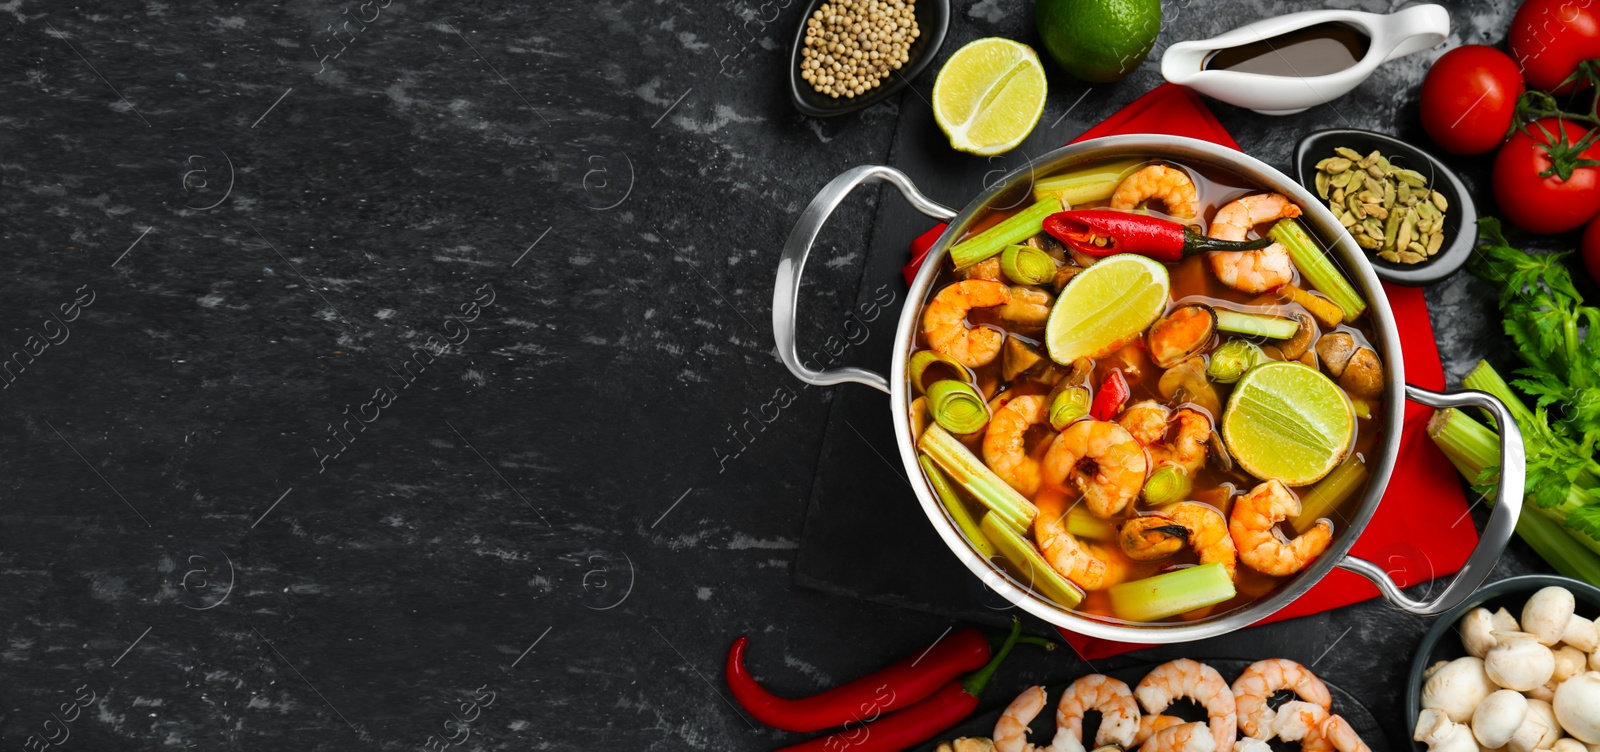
1404	207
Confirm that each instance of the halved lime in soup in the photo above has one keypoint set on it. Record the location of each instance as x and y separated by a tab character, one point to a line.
1105	307
1287	422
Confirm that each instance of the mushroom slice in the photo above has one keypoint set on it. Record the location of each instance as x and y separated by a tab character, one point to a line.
1363	375
1019	356
1187	382
1336	349
1297	346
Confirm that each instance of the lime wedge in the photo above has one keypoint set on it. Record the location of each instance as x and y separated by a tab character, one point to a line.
989	95
1287	422
1105	307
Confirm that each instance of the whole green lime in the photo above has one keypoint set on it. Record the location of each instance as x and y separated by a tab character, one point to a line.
1098	41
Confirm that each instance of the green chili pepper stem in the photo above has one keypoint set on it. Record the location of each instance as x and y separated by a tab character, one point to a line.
1194	242
977	680
997	639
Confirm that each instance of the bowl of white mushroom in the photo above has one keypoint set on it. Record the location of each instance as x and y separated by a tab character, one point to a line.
1515	668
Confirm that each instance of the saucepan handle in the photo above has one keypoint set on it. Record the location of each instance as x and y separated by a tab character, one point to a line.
1508	504
786	294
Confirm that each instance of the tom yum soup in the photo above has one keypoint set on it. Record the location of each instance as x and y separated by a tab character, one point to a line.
1149	394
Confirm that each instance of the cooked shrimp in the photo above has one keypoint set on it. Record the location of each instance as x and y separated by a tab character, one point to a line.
1302	722
1003	448
1169	184
1188	446
1261	680
1101	461
1253	525
1184	737
1259	270
1147	422
1011	731
1196	681
1150	724
1246	744
1342	735
1119	713
1064	552
1208	533
945	321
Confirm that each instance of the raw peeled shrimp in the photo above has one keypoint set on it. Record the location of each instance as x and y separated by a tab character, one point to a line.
1169	184
1147	422
1201	526
1003	448
1263	678
944	321
1253	525
1196	681
1099	459
1070	557
1184	737
1119	713
1011	731
1259	270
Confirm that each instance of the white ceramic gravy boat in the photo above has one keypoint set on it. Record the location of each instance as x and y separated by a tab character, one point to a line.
1391	36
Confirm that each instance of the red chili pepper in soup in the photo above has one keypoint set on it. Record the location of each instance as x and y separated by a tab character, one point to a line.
1113	393
1104	232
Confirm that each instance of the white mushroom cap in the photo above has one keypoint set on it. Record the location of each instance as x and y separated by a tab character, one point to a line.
1498	716
1569	663
1519	661
1582	634
1505	622
1476	628
1577	706
1594	661
1457	688
1546	613
1546	691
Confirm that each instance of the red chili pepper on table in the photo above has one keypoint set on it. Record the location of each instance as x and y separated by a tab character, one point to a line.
1103	232
922	721
901	684
1113	392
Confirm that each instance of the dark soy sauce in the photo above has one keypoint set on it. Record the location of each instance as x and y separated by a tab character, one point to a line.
1313	51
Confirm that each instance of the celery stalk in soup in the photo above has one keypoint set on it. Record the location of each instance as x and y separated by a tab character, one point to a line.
1093	183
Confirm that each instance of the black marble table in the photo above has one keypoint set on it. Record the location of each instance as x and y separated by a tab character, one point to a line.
399	375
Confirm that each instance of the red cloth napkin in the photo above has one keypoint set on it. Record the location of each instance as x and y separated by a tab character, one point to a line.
1421	529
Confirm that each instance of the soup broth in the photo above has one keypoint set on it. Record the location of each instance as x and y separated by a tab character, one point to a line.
1217	480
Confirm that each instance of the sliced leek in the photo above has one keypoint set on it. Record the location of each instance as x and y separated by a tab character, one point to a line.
1169	483
1229	362
957	509
1068	406
922	360
967	471
1026	265
957	406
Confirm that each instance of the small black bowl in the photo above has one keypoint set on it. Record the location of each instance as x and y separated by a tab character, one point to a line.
933	20
1443	641
1460	221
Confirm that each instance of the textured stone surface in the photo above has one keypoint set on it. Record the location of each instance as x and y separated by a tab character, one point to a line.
561	504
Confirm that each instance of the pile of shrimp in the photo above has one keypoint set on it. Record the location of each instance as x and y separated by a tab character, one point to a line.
1238	717
1103	465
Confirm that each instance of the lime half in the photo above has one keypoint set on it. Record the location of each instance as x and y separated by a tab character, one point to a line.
989	95
1105	307
1287	422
